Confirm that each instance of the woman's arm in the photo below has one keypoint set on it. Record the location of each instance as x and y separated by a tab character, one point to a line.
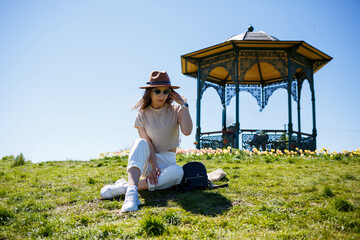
185	122
155	170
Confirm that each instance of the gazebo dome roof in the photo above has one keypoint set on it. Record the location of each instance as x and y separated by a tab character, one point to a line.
252	36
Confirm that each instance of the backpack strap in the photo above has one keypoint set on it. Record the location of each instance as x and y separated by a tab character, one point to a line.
213	186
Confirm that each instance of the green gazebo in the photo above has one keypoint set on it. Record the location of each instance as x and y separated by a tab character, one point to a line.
257	63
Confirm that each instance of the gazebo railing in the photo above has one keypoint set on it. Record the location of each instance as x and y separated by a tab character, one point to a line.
303	141
260	139
265	140
217	139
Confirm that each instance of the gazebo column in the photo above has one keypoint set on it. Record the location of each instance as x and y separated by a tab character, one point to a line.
290	125
224	118
198	108
237	105
312	87
224	134
299	110
223	97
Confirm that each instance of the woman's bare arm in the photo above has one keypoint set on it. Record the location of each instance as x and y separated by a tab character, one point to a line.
185	122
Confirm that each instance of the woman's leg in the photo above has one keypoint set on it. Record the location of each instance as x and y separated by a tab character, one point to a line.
138	161
143	185
134	179
169	177
138	157
137	164
171	174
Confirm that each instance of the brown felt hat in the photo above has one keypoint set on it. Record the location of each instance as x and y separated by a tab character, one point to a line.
159	79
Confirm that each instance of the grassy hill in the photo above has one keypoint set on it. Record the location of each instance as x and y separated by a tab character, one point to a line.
270	196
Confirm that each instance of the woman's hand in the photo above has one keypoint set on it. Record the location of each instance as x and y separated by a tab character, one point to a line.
177	98
154	174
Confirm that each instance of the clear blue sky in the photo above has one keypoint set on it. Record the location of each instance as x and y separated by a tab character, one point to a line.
70	70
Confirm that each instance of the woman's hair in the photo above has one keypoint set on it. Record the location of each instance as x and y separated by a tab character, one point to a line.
145	101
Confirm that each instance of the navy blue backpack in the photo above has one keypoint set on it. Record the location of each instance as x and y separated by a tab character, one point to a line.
195	177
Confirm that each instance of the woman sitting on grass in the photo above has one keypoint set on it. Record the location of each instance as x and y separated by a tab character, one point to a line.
153	155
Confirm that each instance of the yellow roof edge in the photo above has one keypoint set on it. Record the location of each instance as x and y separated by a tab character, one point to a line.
303	44
233	42
316	51
205	49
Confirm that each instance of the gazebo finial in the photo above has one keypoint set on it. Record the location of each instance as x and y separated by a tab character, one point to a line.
250	28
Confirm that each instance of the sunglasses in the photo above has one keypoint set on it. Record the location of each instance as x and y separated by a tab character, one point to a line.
165	91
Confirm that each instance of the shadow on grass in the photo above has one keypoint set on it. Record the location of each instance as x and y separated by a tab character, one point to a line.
197	202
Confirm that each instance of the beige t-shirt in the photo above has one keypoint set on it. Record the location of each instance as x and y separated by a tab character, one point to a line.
161	125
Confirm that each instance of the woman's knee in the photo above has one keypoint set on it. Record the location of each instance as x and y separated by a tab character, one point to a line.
140	146
169	177
177	172
140	142
139	154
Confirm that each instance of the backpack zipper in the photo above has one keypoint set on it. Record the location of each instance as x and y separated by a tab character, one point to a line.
189	178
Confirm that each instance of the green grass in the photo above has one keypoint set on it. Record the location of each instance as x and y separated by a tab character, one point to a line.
268	197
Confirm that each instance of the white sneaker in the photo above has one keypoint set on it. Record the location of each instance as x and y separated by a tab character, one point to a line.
112	191
132	202
121	181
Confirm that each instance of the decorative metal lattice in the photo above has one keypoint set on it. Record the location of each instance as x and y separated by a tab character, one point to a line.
270	89
219	89
261	94
255	91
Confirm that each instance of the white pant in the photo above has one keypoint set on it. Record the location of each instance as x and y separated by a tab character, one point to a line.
171	174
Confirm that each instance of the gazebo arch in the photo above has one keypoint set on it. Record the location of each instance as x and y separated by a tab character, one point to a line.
257	63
